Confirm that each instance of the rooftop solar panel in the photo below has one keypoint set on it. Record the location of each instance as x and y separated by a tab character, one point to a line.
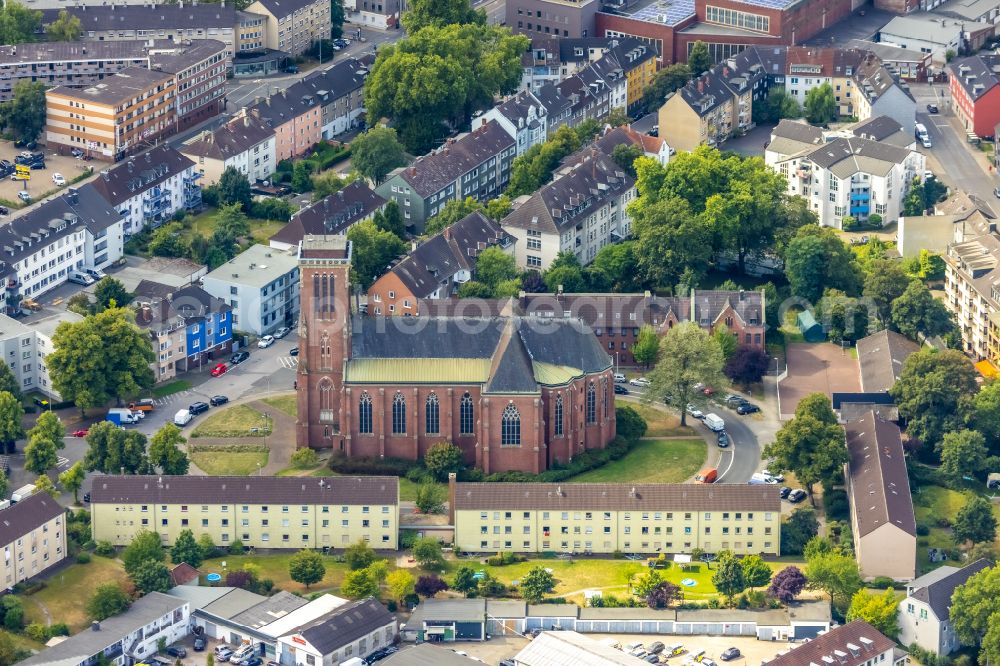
667	12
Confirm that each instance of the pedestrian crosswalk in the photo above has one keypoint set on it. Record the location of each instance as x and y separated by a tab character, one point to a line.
62	462
291	362
172	398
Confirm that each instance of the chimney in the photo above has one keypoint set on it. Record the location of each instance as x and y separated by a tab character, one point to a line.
701	85
452	491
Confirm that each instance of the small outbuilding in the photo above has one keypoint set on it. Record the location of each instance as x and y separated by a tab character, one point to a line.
811	329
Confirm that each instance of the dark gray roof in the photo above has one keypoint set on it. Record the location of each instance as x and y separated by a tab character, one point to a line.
938	594
347	624
876	471
457	610
881	356
427	654
332	215
164	489
517	107
976	74
19	519
43	52
797	131
434	262
236	136
277	109
511	371
70	212
186	55
192	303
873	79
345	77
851	644
118	89
142	17
269	610
281	8
878	128
140	173
427	175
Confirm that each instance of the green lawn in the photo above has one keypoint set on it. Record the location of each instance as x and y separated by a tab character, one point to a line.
67	591
285	403
275	567
408	489
659	423
163	390
229	463
235	421
651	461
929	504
262	230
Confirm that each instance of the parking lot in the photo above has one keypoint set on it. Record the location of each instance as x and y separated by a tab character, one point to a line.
41	179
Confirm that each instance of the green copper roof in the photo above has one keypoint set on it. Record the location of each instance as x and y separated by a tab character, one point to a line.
444	371
554	375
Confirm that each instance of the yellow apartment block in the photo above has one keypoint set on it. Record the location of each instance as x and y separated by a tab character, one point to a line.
609	517
33	537
260	511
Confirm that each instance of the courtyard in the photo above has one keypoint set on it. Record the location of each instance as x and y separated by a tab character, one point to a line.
816	368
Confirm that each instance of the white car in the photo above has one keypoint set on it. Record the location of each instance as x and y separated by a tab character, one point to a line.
282	332
639	381
58	179
694	411
265	341
777	477
619	378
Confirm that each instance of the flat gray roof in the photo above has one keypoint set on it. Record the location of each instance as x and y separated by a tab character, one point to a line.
258	266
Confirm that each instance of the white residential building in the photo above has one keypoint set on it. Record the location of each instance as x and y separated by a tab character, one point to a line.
245	143
262	287
924	615
522	116
934	34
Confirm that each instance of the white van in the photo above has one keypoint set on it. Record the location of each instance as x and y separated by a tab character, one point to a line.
80	278
619	378
182	417
715	422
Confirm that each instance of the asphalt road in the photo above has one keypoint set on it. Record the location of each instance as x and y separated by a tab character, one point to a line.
496	10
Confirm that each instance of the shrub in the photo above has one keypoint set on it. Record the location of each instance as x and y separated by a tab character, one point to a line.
836	505
305	458
59	629
271	208
406	539
882	583
37	632
236	548
339	462
83	558
391	605
923	530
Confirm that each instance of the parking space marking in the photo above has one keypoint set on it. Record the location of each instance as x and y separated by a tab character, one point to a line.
290	362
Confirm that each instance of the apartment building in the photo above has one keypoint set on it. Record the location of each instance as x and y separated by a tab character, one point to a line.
340	93
522	116
378	14
24	349
68	63
583	209
856	643
41	247
552	59
245	143
437	267
935	34
474	165
296	118
199	70
260	511
970	286
188	327
880	93
33	534
334	214
591	94
882	519
293	26
974	84
609	517
924	615
122	114
707	110
148	188
909	64
843	175
261	285
559	18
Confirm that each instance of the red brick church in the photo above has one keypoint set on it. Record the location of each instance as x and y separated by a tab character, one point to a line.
515	393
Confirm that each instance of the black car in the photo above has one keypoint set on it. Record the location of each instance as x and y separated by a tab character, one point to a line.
86	497
4	210
655	647
294	351
723	439
198	407
620	390
651	659
200	643
735	401
729	654
217	400
932	108
747	408
239	357
797	496
784	492
176	651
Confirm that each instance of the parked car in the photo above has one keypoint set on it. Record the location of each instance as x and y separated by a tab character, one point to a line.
620	378
723	439
76	152
200	643
651	659
83	432
932	108
282	332
294	351
183	417
694	411
219	370
656	647
252	660
239	357
778	478
223	652
292	69
217	400
265	342
747	408
4	210
58	179
198	407
95	273
620	390
729	654
797	496
176	651
86	497
733	401
785	490
24	196
76	277
639	381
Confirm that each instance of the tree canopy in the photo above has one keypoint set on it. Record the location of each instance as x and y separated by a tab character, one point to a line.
306	567
439	13
372	251
816	259
688	356
820	105
811	444
975	613
24	115
66	28
377	152
934	393
878	610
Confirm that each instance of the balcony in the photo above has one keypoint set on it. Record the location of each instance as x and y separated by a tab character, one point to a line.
860	210
860	196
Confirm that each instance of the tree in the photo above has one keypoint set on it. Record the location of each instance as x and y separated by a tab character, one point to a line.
48	426
726	339
878	610
336	18
465	581
820	105
625	155
391	220
844	318
167	242
359	555
107	601
25	113
234	188
499	208
797	530
787	584
985	415
10	654
614	268
565	274
207	546
305	459
646	347
443	458
186	549
975	613
818	545
377	152
662	595
916	311
885	281
756	573
144	547
811	444
698	59
429	585
401	584
934	393
13	613
838	575
43	484
359	584
747	365
11	415
302	176
777	105
963	454
669	79
452	211
427	553
430	498
728	578
688	356
372	251
8	382
438	13
114	451
102	357
494	266
306	567
975	522
536	584
72	480
165	452
816	259
151	576
532	169
66	28
40	455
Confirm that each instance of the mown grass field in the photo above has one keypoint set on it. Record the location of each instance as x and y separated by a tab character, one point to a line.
66	592
651	461
235	421
229	463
